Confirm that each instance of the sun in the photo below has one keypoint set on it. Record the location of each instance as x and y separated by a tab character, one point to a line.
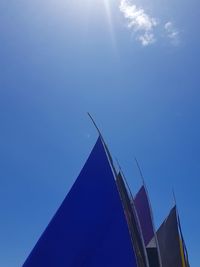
107	7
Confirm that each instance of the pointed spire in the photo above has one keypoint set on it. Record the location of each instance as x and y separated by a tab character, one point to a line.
174	197
105	145
140	171
95	125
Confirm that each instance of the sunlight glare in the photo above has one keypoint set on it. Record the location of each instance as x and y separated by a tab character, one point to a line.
110	22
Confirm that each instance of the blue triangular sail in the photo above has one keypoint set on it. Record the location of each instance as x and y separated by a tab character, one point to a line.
89	229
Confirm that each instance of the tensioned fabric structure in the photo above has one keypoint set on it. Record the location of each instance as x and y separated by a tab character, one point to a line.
100	224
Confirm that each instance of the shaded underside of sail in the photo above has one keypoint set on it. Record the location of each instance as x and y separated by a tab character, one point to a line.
89	229
152	253
184	253
136	235
169	241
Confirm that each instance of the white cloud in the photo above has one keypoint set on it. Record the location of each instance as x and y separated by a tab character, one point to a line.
172	33
139	21
146	38
145	27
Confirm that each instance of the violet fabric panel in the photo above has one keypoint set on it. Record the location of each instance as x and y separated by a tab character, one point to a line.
144	215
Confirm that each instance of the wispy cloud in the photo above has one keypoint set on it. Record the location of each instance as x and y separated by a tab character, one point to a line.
144	25
172	33
139	21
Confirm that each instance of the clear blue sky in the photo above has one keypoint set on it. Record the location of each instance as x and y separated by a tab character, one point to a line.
60	59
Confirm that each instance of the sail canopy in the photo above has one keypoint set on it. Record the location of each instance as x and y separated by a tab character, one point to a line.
144	214
89	229
169	241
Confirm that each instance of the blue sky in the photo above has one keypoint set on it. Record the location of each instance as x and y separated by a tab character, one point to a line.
133	65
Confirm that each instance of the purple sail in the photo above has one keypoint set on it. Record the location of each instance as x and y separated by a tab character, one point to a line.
144	215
